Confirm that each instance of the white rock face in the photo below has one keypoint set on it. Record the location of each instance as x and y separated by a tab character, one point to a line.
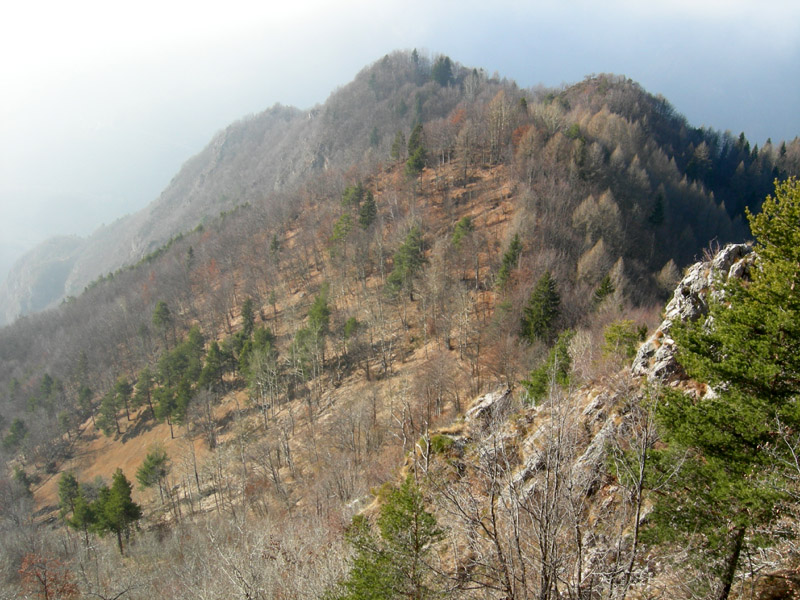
489	405
656	357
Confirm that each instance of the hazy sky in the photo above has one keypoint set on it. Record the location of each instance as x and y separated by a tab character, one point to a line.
103	101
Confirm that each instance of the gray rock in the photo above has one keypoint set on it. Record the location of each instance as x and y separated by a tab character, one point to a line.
489	405
656	357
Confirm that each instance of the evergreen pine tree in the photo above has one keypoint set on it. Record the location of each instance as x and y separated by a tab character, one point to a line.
416	151
214	368
165	406
115	509
319	315
107	419
463	228
730	442
554	371
416	162
353	195
442	71
83	516
17	432
68	491
84	401
123	390
542	310
154	470
274	247
319	318
415	139
395	564
144	389
604	290
162	319
398	146
407	261
656	217
510	259
248	317
368	211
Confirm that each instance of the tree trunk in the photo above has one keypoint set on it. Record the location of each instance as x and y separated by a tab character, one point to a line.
733	561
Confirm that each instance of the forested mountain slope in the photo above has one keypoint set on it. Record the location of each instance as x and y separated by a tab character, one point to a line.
435	234
276	150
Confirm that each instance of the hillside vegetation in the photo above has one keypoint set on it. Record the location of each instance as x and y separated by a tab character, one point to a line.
426	236
607	121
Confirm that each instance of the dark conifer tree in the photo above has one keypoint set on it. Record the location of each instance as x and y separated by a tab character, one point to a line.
730	443
543	308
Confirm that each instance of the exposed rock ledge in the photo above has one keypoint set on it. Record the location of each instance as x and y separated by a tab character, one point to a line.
656	357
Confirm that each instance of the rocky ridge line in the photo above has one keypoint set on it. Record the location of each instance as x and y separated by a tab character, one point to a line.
656	358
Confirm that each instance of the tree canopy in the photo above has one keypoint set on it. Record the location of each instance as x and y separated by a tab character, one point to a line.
510	260
407	261
442	71
394	565
154	468
731	441
115	509
542	310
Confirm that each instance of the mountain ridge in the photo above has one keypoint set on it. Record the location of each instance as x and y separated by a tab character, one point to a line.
272	152
255	156
313	340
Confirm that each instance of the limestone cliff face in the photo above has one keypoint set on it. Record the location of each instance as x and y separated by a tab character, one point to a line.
656	357
544	476
564	461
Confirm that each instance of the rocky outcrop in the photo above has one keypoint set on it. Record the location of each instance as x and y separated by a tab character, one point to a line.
656	357
490	406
